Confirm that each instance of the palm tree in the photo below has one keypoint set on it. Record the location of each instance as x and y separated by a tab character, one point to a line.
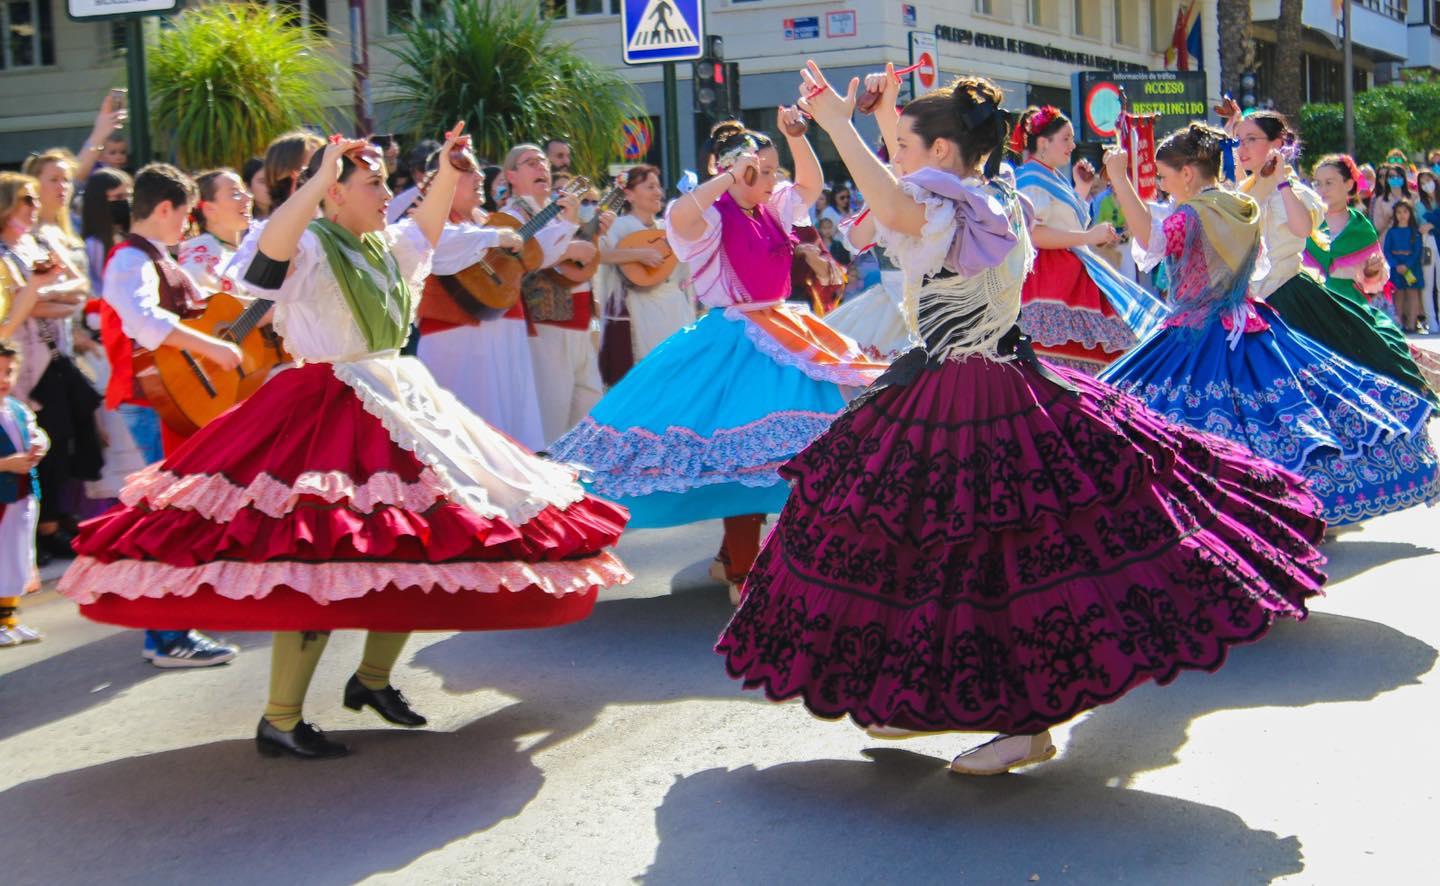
1288	86
494	64
228	78
1237	48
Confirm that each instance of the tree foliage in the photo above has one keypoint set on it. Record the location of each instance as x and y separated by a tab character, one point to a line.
228	78
1401	115
495	65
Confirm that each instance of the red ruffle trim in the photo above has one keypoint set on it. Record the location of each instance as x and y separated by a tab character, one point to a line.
317	531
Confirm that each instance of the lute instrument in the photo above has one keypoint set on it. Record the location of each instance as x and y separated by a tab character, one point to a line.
491	286
640	274
188	391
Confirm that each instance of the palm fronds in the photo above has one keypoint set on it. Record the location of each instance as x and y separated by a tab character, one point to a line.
494	64
228	78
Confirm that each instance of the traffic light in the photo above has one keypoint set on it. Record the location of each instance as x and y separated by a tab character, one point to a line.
711	79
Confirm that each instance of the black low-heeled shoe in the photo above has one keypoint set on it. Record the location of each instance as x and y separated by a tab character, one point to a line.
304	741
387	702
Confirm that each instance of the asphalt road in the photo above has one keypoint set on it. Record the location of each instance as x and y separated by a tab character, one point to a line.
617	750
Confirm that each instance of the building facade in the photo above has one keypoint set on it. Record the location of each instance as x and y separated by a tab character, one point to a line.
54	71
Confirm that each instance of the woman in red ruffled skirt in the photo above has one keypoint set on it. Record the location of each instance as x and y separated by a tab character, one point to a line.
350	491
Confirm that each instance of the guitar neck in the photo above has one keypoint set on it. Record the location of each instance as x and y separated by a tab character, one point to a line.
249	319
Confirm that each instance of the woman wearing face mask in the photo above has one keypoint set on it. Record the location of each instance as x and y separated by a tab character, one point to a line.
1391	187
919	579
1289	212
285	160
104	218
1428	206
1231	366
253	176
1076	307
698	429
643	316
351	491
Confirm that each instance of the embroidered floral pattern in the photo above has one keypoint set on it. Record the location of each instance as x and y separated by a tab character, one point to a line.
1054	324
943	567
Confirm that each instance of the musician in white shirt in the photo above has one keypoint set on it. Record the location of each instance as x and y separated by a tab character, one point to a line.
565	355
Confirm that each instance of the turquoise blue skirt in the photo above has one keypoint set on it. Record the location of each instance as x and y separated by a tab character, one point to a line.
698	429
1358	437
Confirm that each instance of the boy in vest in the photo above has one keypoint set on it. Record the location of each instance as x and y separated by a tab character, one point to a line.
146	295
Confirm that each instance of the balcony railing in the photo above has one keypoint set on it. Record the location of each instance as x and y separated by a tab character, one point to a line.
1396	9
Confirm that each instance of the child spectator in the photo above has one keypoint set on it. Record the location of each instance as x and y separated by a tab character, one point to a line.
22	445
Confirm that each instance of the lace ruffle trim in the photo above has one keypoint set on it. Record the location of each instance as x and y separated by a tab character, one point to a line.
842	374
636	461
216	498
1052	325
537	500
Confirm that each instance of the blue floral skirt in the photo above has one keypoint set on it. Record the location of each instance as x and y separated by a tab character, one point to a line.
699	428
1358	437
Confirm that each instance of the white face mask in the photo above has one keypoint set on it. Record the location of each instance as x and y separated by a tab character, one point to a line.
1427	187
587	211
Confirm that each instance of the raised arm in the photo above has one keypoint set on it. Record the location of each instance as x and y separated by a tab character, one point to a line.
687	216
809	178
1137	214
891	206
434	210
887	114
282	232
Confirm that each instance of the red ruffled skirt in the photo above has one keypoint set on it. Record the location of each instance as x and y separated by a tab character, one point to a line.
1068	316
297	511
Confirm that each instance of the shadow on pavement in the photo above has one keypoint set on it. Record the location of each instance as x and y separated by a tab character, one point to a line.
59	686
1324	659
1350	557
641	650
397	797
904	819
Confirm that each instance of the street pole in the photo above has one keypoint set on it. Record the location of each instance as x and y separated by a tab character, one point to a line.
1349	82
139	98
360	66
672	128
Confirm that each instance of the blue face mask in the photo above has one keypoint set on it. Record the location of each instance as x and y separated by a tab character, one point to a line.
1395	183
1435	168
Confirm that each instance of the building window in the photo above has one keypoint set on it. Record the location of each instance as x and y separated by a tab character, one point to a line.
1087	18
1044	14
1396	9
1162	23
308	13
29	34
575	8
400	13
987	7
1127	22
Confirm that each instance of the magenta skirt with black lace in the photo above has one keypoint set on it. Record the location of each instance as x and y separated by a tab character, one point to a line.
983	550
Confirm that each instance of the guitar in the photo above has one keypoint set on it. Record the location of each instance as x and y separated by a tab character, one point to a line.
643	275
187	391
578	272
491	286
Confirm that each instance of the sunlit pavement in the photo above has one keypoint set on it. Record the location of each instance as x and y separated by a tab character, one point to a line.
617	750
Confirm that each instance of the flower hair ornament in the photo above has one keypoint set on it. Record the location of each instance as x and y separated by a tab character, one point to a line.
1032	126
747	145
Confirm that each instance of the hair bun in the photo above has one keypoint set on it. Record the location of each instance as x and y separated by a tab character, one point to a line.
726	129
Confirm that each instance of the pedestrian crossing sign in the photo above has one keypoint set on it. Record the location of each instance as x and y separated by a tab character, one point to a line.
662	30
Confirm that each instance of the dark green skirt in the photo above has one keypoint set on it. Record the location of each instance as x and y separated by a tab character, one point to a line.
1362	335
